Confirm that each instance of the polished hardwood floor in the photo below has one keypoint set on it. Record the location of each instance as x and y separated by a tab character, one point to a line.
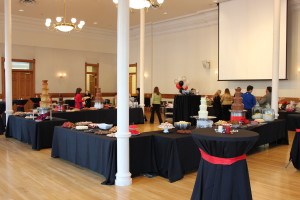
26	174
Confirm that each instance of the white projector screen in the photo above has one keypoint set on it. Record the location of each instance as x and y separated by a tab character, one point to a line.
246	40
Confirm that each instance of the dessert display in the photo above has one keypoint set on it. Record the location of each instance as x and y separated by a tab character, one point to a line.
60	107
184	131
75	109
237	108
98	99
166	126
86	123
182	125
68	125
203	113
21	114
81	127
102	132
45	97
45	107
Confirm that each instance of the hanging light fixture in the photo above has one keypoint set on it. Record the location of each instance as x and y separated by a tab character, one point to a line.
139	4
62	25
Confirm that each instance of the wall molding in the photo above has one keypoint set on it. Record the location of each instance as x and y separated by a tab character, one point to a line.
196	20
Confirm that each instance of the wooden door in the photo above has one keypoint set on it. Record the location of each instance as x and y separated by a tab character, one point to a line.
22	87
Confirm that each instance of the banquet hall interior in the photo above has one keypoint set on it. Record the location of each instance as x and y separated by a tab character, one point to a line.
182	40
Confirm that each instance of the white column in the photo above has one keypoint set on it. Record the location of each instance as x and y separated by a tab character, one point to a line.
276	54
142	57
123	176
7	66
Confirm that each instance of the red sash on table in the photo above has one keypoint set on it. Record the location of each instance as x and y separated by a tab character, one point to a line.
297	130
20	105
221	161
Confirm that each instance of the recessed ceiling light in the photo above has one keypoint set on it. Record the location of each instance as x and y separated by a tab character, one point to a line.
95	23
165	13
21	10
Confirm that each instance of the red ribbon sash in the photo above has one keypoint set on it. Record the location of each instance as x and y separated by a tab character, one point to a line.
221	161
297	130
20	105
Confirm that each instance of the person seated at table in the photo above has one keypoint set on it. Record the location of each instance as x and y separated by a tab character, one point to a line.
267	98
249	101
156	101
78	98
217	104
226	101
88	99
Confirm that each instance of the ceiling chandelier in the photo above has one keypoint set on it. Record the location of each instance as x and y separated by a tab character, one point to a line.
139	4
62	25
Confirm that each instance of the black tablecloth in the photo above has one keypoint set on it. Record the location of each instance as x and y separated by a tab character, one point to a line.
293	122
271	132
38	134
176	154
218	181
20	104
2	107
36	102
99	153
283	114
108	116
295	151
186	106
70	102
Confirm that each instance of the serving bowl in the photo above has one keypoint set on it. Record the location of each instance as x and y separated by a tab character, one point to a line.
105	126
182	125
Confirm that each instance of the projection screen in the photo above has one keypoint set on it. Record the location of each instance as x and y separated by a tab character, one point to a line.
246	40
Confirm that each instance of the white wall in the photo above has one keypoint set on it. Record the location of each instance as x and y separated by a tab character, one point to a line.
64	52
179	46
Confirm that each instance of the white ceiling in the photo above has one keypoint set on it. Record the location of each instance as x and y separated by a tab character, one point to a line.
104	12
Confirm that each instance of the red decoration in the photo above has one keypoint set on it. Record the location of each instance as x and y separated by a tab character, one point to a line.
221	161
178	86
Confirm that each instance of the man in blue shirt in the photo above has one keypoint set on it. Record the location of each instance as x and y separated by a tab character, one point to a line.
249	101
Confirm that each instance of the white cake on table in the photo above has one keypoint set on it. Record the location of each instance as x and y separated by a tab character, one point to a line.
203	113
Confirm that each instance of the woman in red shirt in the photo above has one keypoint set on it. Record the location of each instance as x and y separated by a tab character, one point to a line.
78	99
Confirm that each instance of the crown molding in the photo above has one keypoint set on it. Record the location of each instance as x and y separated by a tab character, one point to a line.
21	23
196	20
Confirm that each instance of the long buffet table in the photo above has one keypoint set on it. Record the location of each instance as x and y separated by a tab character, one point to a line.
109	116
169	155
38	134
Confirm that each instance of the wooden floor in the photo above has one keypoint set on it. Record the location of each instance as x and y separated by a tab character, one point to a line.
34	175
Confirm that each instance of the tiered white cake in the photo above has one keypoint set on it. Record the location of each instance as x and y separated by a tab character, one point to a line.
203	113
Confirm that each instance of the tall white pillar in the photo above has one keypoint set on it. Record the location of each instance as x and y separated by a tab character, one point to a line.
7	66
276	55
142	57
123	176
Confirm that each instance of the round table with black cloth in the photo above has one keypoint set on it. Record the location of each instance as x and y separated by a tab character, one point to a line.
36	102
186	106
220	181
20	104
293	122
295	151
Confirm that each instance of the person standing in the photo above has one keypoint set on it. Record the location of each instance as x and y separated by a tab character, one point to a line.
156	100
217	104
267	99
249	101
78	98
226	101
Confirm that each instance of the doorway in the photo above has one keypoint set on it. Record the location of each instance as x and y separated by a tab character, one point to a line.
91	78
23	80
132	79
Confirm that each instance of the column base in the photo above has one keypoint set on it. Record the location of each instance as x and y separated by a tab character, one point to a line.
123	179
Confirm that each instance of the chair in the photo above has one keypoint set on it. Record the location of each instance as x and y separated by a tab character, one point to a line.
168	112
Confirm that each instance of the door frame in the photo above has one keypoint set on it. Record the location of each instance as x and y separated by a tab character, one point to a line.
97	74
133	65
32	70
